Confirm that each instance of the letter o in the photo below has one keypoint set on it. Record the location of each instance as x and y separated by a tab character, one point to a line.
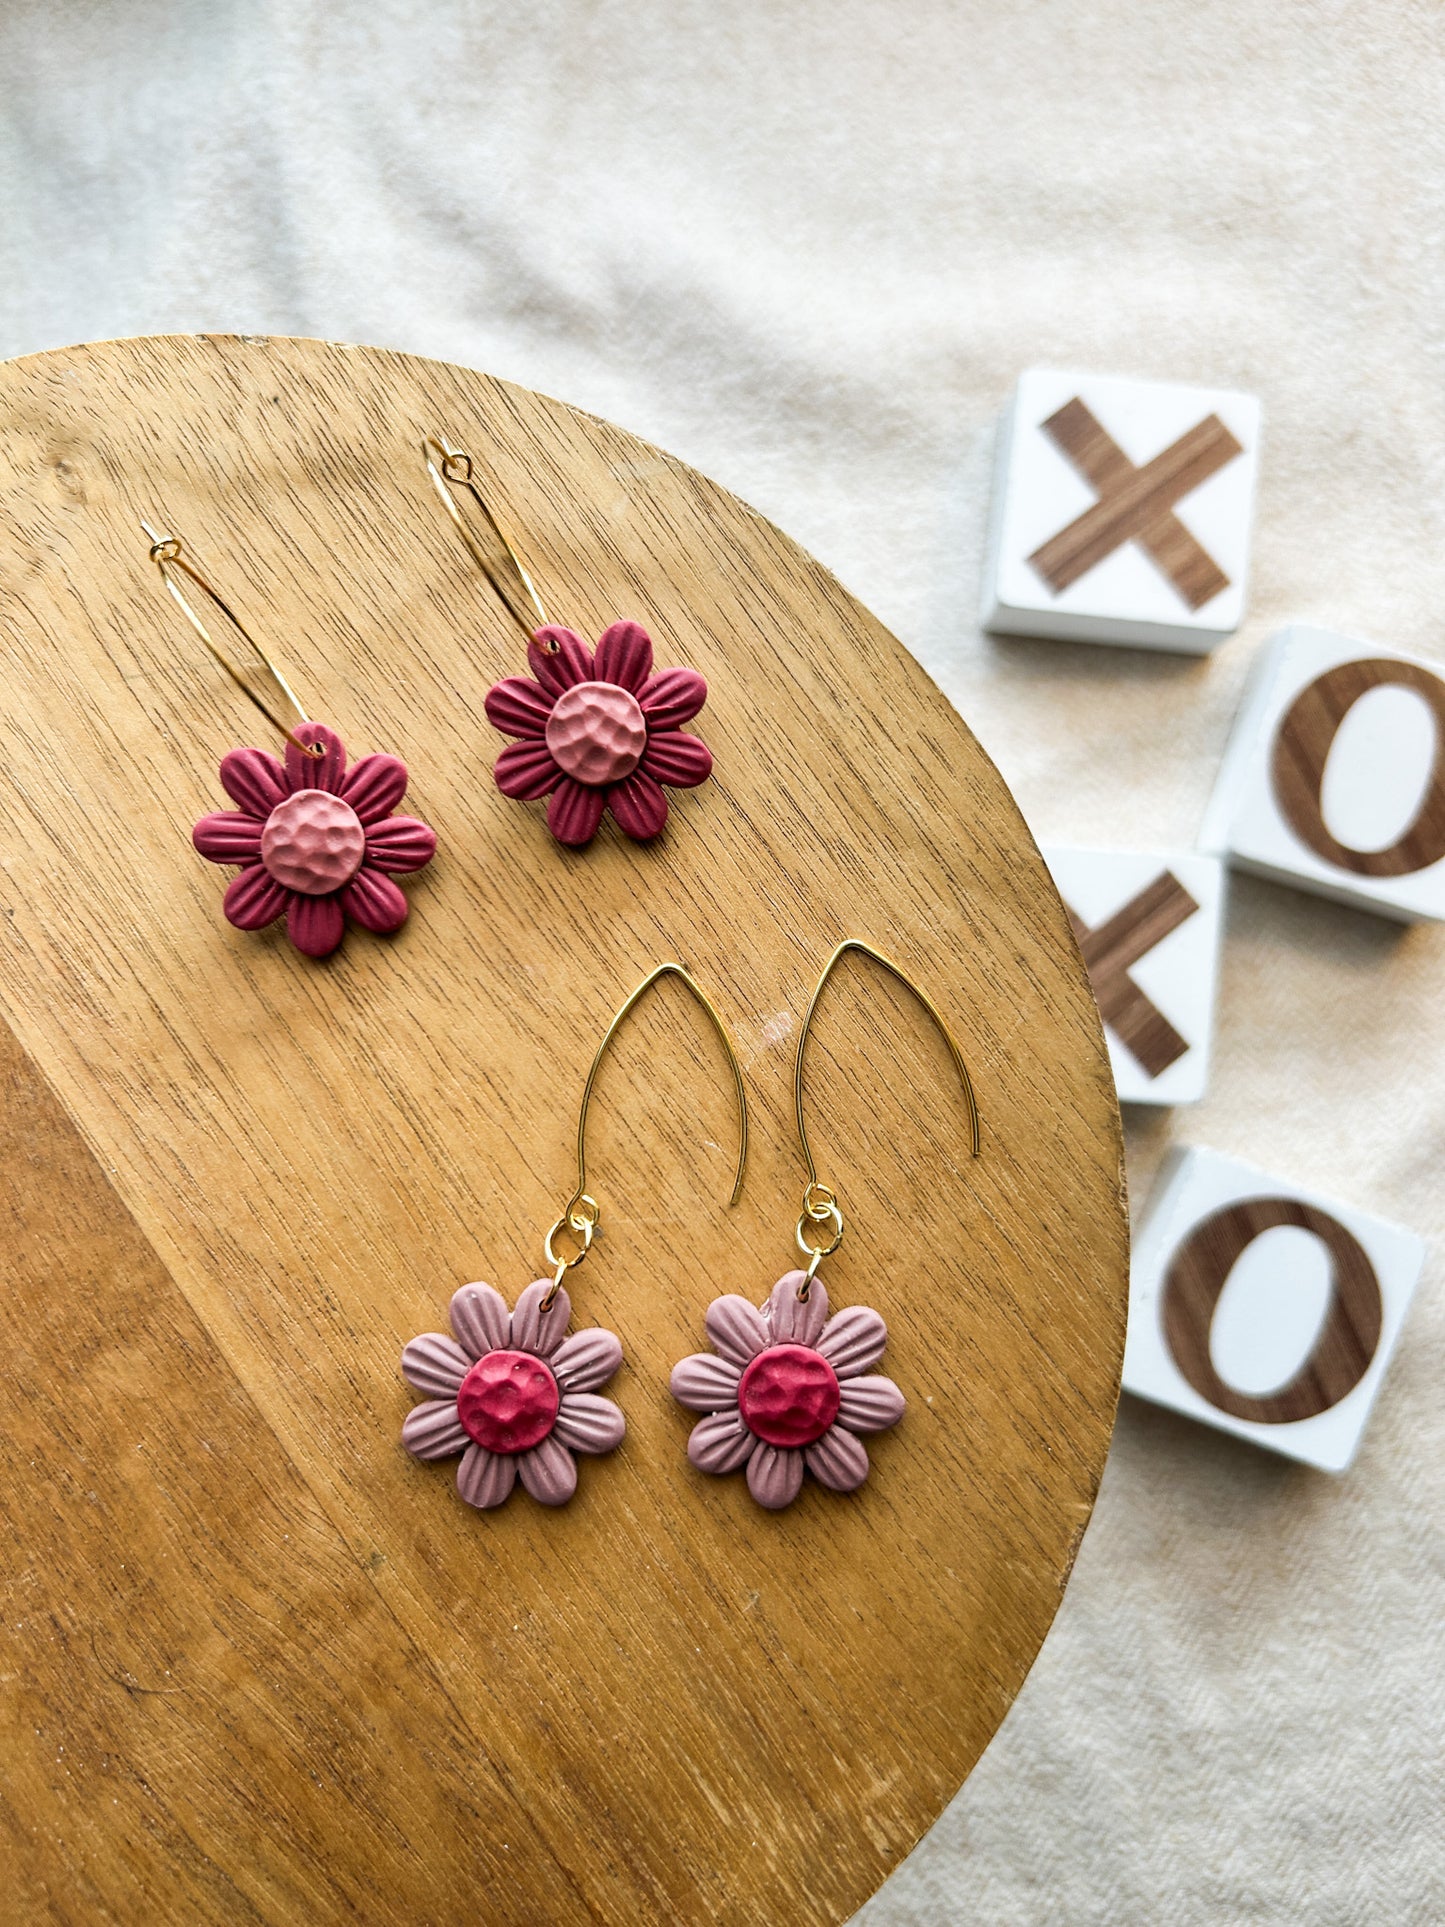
1302	747
1339	1357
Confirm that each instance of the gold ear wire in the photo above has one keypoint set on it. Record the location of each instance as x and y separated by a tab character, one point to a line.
820	1201
581	1213
451	468
168	555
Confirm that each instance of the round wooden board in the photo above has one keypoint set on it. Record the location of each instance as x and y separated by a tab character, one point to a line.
261	1665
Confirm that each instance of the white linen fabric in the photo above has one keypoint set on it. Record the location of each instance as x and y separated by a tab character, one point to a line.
807	244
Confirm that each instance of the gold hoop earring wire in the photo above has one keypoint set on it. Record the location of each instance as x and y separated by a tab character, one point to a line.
820	1201
169	556
582	1213
451	469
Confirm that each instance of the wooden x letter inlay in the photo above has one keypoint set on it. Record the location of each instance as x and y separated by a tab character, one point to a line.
1135	504
1121	940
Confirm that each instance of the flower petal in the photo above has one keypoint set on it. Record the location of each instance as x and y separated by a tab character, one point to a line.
639	806
255	780
793	1320
677	758
704	1383
526	771
870	1404
587	1423
433	1430
535	1330
853	1340
315	924
837	1460
517	706
485	1479
673	697
736	1328
548	1471
566	662
400	844
721	1443
229	836
586	1360
254	898
323	772
480	1320
374	901
775	1476
574	812
374	786
624	655
434	1365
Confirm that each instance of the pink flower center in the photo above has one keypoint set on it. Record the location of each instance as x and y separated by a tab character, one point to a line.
597	732
789	1395
313	842
508	1402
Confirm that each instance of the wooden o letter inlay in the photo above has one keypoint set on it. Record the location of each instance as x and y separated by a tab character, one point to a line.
1301	750
1341	1354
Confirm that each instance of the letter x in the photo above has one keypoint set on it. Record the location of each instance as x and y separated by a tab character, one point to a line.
1135	504
1121	940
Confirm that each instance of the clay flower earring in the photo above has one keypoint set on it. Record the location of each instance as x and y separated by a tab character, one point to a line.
315	842
787	1389
510	1391
595	730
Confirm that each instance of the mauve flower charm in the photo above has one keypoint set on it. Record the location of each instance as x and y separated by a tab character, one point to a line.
785	1389
512	1394
316	841
598	732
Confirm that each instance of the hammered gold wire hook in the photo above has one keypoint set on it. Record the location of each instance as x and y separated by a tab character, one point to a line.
452	468
581	1213
820	1201
167	553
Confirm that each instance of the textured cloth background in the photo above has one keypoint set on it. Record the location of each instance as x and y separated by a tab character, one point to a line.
807	244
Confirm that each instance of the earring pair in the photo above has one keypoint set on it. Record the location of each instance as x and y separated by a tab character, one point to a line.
316	842
786	1390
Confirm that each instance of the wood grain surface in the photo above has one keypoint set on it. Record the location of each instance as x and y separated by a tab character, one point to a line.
1344	1346
1301	750
1136	503
1110	950
261	1666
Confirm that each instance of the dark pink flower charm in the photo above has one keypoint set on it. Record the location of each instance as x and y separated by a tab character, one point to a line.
316	841
598	732
787	1389
513	1394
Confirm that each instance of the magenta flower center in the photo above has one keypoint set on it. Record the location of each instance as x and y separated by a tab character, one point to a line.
597	732
313	842
789	1395
508	1402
